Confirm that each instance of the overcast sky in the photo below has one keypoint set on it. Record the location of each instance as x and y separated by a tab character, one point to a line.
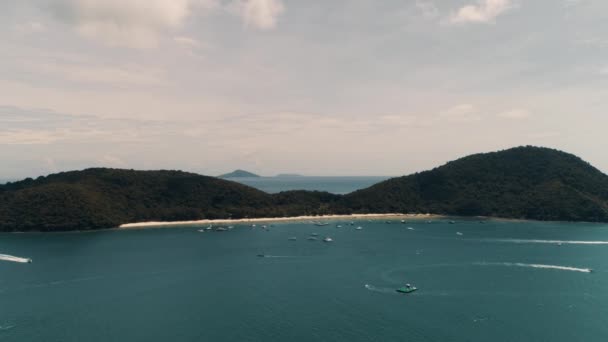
317	87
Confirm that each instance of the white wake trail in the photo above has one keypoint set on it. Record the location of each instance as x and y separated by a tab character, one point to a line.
520	264
12	258
551	242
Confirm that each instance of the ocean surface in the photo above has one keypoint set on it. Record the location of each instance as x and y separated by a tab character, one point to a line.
336	185
490	281
496	281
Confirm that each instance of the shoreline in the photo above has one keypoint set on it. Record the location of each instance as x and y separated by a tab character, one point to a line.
168	224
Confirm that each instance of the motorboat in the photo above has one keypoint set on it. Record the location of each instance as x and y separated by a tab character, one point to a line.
407	289
328	239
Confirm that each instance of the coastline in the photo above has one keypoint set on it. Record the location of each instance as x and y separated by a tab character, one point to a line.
167	224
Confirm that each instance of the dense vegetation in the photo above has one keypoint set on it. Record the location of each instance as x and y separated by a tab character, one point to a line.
525	182
239	174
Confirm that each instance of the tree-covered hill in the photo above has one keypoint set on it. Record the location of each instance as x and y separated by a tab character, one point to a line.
524	182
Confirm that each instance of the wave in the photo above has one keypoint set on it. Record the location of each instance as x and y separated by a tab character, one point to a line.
519	264
551	242
7	257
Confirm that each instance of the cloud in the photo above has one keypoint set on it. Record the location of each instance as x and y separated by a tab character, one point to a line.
460	113
30	27
131	23
515	114
428	8
260	14
187	41
484	11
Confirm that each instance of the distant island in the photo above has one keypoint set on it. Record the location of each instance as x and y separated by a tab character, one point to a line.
522	183
288	175
239	174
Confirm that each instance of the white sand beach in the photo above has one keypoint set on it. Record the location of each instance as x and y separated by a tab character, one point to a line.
277	219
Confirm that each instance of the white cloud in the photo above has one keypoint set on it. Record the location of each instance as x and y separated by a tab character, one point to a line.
460	113
515	114
132	23
260	14
187	41
482	12
30	27
427	8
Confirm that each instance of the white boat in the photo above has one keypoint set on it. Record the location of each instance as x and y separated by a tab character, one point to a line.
202	230
328	239
209	228
338	226
459	233
359	228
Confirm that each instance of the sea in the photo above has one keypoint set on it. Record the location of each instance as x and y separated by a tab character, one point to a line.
336	185
476	279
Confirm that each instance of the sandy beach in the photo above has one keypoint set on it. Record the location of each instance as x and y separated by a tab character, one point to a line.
278	219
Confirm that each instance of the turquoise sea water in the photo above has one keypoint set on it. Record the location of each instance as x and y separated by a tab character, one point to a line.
497	281
336	185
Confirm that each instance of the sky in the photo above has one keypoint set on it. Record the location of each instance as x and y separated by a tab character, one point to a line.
315	87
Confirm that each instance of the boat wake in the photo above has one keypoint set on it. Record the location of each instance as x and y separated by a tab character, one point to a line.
550	242
7	257
6	327
519	264
386	290
280	256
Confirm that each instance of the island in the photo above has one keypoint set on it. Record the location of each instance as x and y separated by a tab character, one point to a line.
522	183
239	174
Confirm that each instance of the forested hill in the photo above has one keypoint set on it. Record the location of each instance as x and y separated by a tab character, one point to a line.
104	198
524	182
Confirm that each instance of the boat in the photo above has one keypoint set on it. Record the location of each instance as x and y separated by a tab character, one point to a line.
402	221
328	239
29	261
359	228
314	234
261	255
459	233
321	224
209	228
202	230
293	238
407	289
220	229
338	226
312	238
452	222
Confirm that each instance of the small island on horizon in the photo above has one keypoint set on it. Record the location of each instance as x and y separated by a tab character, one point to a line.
528	182
239	174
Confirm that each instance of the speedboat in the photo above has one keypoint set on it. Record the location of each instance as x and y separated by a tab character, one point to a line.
29	261
338	226
314	234
359	228
407	289
202	230
209	228
328	239
459	233
321	224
